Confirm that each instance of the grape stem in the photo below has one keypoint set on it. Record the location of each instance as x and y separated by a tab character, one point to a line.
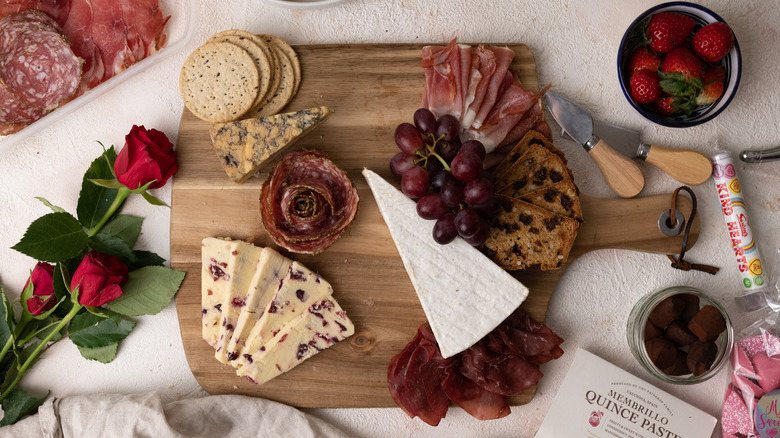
430	150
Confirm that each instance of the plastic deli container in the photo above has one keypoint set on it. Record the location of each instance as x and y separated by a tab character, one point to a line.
179	28
638	334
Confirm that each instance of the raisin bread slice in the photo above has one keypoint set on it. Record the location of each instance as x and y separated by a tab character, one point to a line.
534	156
525	235
561	197
546	173
531	138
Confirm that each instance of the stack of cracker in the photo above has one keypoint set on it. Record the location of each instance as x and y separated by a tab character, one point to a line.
238	74
540	213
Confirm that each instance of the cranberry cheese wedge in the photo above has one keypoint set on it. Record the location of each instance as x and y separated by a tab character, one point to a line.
299	289
463	293
321	325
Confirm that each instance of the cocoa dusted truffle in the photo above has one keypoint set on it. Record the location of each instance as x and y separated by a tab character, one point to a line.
680	365
651	331
691	306
707	324
701	356
661	351
678	333
667	311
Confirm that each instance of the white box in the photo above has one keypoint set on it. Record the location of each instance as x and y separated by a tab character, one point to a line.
599	400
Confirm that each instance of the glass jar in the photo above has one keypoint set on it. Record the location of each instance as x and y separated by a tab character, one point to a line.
635	333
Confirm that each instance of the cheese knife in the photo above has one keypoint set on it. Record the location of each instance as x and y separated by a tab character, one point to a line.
621	174
684	165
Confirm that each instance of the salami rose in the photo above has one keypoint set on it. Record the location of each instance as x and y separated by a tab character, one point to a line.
307	202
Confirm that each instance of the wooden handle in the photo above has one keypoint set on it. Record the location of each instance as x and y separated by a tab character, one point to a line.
684	165
620	172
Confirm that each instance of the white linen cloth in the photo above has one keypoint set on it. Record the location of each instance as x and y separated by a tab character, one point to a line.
145	415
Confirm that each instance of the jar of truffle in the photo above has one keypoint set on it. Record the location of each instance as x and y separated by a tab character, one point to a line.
680	335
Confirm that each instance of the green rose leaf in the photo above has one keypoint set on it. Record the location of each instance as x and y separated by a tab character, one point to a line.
52	238
153	200
88	330
54	208
19	404
112	245
95	200
148	290
107	183
145	258
125	227
101	354
6	318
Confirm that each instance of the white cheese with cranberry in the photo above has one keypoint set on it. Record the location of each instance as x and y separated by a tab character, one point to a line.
321	325
299	289
463	293
271	269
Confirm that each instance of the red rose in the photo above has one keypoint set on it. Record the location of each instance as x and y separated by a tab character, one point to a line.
100	278
43	297
147	156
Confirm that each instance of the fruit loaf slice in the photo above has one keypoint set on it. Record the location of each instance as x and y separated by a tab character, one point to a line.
534	156
550	171
245	145
531	138
525	235
561	197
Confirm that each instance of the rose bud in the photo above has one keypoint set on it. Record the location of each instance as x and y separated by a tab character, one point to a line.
100	278
43	298
147	156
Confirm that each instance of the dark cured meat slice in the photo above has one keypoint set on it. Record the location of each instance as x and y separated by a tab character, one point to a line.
499	373
307	202
56	9
472	398
396	371
14	112
522	336
78	30
40	69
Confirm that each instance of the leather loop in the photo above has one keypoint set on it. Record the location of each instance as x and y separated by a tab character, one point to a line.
679	263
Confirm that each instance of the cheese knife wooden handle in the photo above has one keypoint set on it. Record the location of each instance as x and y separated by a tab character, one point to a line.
621	173
684	165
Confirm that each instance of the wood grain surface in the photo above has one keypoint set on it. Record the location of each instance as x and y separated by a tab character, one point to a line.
371	89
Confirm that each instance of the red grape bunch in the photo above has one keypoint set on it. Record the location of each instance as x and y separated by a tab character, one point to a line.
445	177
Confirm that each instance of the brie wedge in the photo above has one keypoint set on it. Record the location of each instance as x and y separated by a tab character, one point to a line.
463	293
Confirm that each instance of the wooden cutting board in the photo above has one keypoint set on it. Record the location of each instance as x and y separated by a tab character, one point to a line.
371	89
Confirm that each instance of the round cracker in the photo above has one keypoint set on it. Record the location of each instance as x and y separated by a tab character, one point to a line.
219	82
267	64
284	94
275	41
260	57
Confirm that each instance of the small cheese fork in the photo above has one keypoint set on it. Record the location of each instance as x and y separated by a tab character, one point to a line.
760	156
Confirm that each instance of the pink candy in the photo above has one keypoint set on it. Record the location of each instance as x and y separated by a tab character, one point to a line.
756	371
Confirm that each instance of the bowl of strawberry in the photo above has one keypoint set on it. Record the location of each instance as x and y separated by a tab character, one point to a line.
679	64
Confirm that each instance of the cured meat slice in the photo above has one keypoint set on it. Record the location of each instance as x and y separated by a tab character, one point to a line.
477	401
14	112
146	27
532	120
9	31
512	105
109	32
444	93
498	373
56	9
488	70
307	202
8	129
40	69
78	30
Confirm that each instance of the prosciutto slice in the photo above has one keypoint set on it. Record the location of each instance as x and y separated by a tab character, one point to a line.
78	30
488	68
509	109
480	378
307	202
444	78
56	9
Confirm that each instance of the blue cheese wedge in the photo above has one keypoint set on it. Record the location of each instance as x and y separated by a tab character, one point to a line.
321	325
271	269
299	289
463	293
244	146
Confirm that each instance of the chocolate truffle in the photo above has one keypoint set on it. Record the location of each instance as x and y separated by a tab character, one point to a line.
707	324
691	306
680	365
667	311
678	333
701	356
651	331
661	351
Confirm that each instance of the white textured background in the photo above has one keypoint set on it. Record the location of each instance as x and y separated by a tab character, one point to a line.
575	45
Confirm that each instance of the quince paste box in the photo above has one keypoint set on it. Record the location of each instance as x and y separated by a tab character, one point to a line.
599	400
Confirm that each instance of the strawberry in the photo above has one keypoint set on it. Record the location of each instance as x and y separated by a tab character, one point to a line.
713	80
667	30
683	61
643	59
645	87
713	41
664	105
